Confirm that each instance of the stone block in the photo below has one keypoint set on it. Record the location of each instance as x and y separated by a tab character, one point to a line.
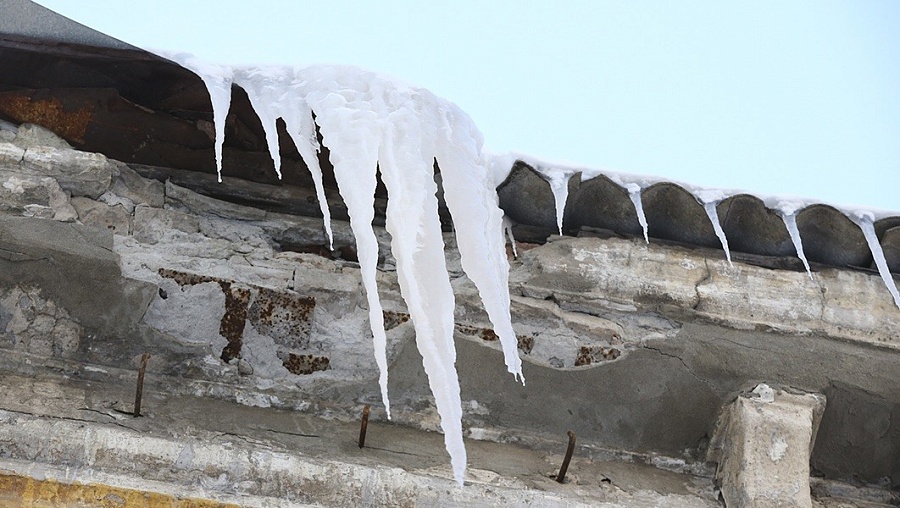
141	191
762	446
10	155
151	224
34	196
29	136
94	213
73	265
80	173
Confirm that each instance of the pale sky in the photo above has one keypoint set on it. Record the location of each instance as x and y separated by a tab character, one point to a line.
788	98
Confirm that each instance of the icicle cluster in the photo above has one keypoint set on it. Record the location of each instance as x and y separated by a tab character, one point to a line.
369	122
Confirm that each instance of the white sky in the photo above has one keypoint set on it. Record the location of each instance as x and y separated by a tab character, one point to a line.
791	98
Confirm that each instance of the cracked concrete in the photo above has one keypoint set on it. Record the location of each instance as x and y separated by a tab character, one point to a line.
260	457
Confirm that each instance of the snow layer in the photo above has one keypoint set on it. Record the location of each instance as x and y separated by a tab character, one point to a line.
372	123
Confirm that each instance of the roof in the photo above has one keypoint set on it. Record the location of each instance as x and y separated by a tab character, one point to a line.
24	18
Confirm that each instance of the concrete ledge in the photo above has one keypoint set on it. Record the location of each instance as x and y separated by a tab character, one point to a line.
181	451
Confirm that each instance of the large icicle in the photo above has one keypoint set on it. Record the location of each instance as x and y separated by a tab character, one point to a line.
350	129
407	169
790	222
368	122
866	222
634	192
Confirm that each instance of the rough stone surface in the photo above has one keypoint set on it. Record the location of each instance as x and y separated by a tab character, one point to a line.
620	339
128	184
36	325
763	448
96	213
74	266
152	224
34	196
30	135
79	173
629	274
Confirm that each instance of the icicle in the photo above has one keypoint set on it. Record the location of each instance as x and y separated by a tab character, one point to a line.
217	79
277	92
406	163
368	122
302	130
508	230
790	222
266	91
710	208
474	205
354	155
634	192
866	223
559	185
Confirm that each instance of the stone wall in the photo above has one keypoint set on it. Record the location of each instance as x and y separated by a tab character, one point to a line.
636	347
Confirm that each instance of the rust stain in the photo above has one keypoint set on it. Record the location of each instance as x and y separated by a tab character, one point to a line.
237	301
394	319
283	316
525	343
187	279
234	320
23	492
49	113
595	354
305	364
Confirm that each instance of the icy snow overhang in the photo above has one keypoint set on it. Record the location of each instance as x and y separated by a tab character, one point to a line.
103	95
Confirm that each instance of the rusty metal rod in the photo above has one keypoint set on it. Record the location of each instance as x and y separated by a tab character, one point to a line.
363	426
561	477
140	384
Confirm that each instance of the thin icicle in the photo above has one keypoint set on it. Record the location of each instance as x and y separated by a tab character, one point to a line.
276	92
710	208
634	192
559	186
508	230
218	79
866	223
302	130
474	205
790	222
266	90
